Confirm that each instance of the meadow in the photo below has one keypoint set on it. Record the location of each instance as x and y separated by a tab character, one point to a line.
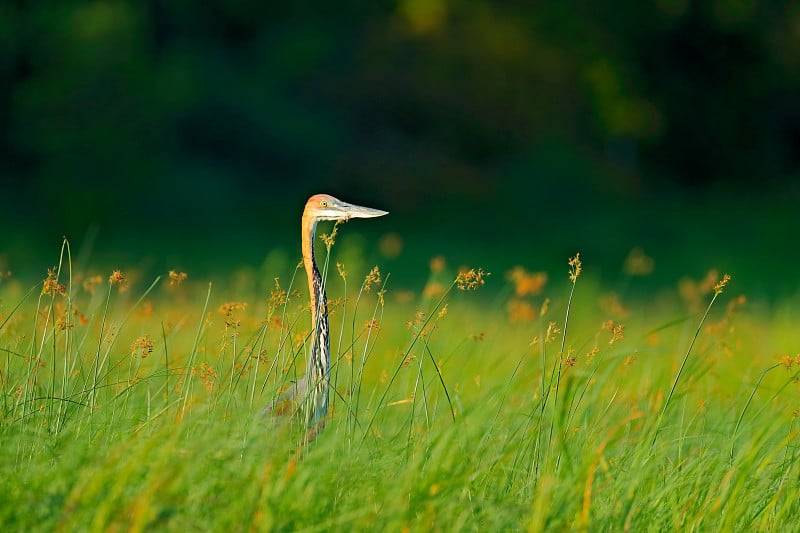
481	401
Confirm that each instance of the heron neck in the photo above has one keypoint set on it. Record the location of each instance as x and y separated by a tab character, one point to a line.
316	292
309	229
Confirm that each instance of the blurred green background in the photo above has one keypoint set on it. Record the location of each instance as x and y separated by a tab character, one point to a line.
177	134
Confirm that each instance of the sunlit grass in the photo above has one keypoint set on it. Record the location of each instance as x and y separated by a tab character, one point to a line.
480	402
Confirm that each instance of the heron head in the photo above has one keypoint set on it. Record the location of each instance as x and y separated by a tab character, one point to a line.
326	207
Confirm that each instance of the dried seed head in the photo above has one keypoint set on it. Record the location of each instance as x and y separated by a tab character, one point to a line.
721	284
330	238
374	277
116	277
176	278
471	280
575	268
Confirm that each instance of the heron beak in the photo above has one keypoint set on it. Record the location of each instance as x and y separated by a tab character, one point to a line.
357	211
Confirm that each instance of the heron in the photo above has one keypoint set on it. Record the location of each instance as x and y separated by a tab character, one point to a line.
312	389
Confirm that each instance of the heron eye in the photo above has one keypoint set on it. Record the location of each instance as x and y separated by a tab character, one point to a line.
323	203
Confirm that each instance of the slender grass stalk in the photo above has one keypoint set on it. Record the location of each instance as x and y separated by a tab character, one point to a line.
375	319
451	409
575	272
19	304
260	339
186	386
340	340
278	361
418	381
352	405
166	363
96	366
744	409
67	332
717	291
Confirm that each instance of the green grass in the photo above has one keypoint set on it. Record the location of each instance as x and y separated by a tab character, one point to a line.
139	406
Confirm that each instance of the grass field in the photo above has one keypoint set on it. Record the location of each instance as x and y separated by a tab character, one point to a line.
509	401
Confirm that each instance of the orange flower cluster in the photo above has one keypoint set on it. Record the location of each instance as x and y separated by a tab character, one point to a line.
525	282
51	284
638	263
569	359
788	361
277	296
143	345
471	280
438	264
692	292
612	305
373	278
575	267
330	238
91	283
176	278
116	277
616	329
228	308
207	373
552	333
433	290
520	311
721	284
